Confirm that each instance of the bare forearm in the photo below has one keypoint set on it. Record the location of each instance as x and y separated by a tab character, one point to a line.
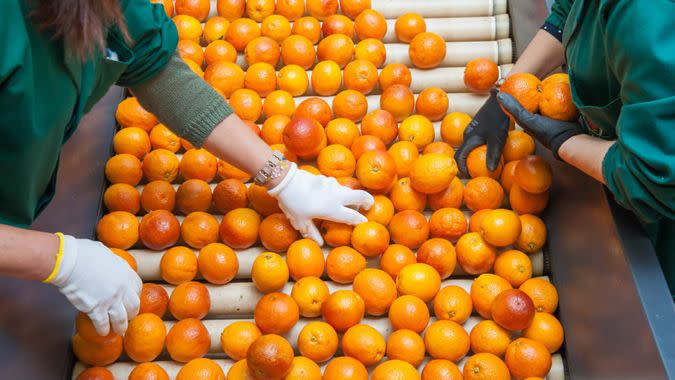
543	55
586	153
27	254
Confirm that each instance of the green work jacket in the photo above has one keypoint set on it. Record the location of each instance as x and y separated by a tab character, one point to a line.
621	63
44	93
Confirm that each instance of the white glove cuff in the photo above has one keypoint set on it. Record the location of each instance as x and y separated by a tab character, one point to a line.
276	190
67	262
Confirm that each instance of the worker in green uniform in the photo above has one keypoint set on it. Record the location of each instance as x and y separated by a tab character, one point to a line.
621	64
57	59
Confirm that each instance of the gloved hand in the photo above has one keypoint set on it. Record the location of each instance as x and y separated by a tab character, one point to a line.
99	283
490	126
304	196
550	132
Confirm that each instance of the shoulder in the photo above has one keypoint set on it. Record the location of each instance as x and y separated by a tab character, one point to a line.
14	36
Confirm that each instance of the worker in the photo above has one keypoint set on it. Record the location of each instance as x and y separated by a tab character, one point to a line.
621	66
58	58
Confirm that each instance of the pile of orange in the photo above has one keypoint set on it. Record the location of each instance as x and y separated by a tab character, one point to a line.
427	225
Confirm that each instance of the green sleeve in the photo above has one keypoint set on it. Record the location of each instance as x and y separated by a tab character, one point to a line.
640	166
154	39
559	12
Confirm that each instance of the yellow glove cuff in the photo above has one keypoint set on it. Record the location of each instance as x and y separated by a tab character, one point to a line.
59	258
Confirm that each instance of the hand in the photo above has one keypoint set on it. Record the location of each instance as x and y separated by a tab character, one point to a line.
490	126
99	283
550	132
304	196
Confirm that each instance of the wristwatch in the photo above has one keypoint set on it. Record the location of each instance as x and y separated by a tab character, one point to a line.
273	168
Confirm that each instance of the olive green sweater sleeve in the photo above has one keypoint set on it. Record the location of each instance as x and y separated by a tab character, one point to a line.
183	101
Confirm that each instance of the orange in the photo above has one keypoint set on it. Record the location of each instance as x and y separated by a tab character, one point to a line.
215	29
350	104
377	289
370	238
336	234
218	263
318	341
514	266
225	76
441	369
406	345
226	170
547	330
432	173
219	50
446	339
533	174
376	170
269	272
153	299
276	27
518	146
242	31
528	358
432	103
201	369
453	303
366	143
343	264
279	102
543	294
488	336
261	78
409	228
371	50
310	293
532	234
144	338
404	154
132	140
336	47
322	9
408	26
370	24
345	368
326	78
276	313
417	129
261	201
189	28
262	49
343	309
190	300
124	168
193	195
304	258
97	354
523	202
427	50
84	327
484	289
118	229
188	339
526	88
303	369
508	176
148	371
474	254
122	197
476	162
308	27
167	4
395	258
364	343
126	256
439	147
486	366
395	369
480	75
273	128
162	138
338	24
450	198
440	254
420	280
341	131
483	192
452	128
259	9
199	229
500	227
361	75
231	9
379	123
298	50
276	233
198	9
240	371
195	68
237	337
556	98
395	73
352	8
229	194
191	50
447	223
409	312
178	265
405	197
399	100
291	9
270	357
336	161
315	108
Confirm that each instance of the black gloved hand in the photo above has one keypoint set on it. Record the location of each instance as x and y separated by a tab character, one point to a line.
490	126
550	132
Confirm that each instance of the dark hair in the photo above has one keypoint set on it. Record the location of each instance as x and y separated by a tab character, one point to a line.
81	24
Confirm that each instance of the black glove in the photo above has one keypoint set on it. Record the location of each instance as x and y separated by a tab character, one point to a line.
490	126
550	132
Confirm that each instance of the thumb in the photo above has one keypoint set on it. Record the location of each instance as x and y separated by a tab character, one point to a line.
522	116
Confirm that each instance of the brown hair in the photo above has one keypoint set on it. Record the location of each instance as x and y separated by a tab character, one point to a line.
82	24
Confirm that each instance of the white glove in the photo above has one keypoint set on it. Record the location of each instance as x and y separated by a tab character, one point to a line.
304	196
99	283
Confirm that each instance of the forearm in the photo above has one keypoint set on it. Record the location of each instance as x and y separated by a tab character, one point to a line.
543	55
27	254
586	153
